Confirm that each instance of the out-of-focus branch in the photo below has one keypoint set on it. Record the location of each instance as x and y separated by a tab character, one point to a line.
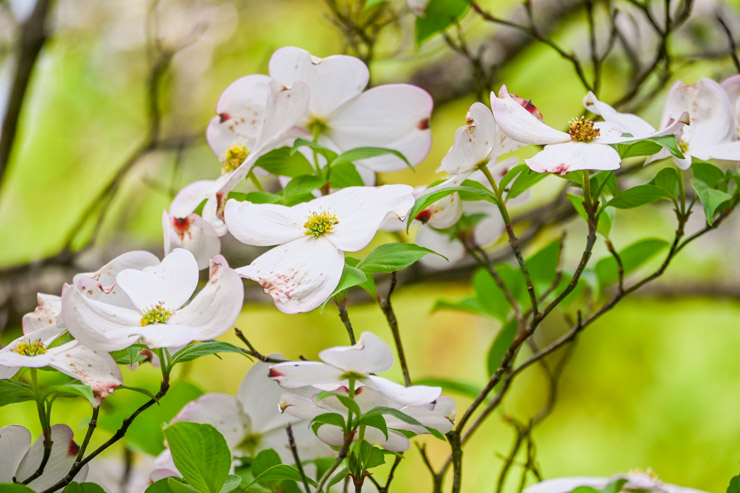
33	36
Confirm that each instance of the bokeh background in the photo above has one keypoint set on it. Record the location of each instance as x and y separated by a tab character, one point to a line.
655	383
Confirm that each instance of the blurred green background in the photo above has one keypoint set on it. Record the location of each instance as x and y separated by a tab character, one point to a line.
655	383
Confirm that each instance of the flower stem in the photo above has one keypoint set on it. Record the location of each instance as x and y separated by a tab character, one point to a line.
390	316
45	428
253	178
344	316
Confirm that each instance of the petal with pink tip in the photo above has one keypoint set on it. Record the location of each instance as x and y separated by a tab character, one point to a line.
265	224
474	143
294	374
332	81
47	310
63	453
572	156
299	275
369	355
519	124
95	368
192	233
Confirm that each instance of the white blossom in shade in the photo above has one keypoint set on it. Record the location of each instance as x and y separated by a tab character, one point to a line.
394	116
20	459
584	147
305	267
712	130
361	361
251	421
34	349
192	233
239	146
439	415
646	482
731	86
158	313
417	7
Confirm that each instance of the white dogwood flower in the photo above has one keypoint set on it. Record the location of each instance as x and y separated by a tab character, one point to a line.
646	482
361	362
584	147
35	349
150	305
305	267
439	415
343	117
20	459
192	233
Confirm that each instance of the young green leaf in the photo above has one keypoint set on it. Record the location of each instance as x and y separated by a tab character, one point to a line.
75	487
345	175
438	16
300	189
200	349
359	153
403	417
284	162
511	175
489	295
12	392
263	198
72	390
328	154
466	389
281	472
376	421
332	419
350	404
709	174
431	197
393	257
637	196
526	180
605	220
200	454
648	147
712	200
468	305
667	180
734	486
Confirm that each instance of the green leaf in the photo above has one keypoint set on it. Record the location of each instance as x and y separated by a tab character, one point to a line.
71	390
511	174
200	454
614	487
345	175
734	486
338	478
284	162
351	276
637	196
374	458
403	417
129	356
333	419
709	174
604	181
300	189
75	487
328	154
263	198
12	392
526	180
431	197
711	199
350	404
264	461
15	487
177	485
489	295
438	16
466	389
279	472
632	257
359	153
667	180
605	223
368	285
375	422
648	147
500	345
231	483
468	305
200	349
393	257
542	266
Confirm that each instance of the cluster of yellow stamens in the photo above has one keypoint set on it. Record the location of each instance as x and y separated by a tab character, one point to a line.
582	130
647	472
157	315
235	156
30	348
319	223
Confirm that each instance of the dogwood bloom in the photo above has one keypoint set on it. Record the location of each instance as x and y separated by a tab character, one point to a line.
439	415
731	86
34	349
150	305
20	459
192	233
304	269
394	116
361	362
712	131
636	481
584	146
250	422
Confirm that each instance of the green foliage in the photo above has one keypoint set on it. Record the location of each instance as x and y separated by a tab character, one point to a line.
284	162
500	345
632	257
466	389
333	419
667	180
350	404
393	257
345	175
604	225
360	153
200	349
524	181
403	417
201	455
131	355
637	196
75	487
438	16
734	486
711	199
70	390
648	147
429	198
12	392
15	488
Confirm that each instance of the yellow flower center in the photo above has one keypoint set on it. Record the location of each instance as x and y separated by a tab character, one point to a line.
317	126
30	348
683	145
157	315
319	223
235	156
582	130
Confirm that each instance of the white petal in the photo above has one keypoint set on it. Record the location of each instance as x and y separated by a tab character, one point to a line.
394	116
572	156
415	395
221	411
299	407
94	323
265	224
710	112
294	374
192	233
332	81
474	142
259	396
452	248
14	442
286	108
10	358
171	283
439	416
48	308
212	312
299	275
566	485
369	355
95	368
626	122
729	151
489	229
519	124
213	211
63	453
332	435
361	211
189	198
137	259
